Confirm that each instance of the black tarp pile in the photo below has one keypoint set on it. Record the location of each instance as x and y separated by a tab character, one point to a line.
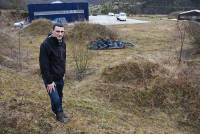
102	44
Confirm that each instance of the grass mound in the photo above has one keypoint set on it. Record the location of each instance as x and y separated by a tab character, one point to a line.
172	93
90	32
39	27
132	70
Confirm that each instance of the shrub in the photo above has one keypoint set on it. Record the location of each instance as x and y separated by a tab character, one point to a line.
81	59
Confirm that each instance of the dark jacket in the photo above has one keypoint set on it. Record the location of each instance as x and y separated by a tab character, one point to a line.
52	59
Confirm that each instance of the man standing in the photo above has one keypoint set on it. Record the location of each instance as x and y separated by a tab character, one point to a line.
52	60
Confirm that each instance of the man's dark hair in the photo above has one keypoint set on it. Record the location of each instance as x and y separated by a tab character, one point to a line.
58	25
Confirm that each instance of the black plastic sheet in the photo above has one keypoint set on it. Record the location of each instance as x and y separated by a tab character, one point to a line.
102	44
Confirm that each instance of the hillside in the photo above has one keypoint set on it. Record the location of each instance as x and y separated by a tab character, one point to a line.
149	6
128	6
139	90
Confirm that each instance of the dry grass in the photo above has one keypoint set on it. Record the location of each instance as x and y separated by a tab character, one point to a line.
129	71
7	41
175	94
8	50
94	31
8	17
18	95
106	103
38	27
192	28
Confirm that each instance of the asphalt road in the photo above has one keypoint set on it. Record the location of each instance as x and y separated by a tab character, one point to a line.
111	20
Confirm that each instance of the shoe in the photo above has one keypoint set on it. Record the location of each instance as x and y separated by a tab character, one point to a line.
60	117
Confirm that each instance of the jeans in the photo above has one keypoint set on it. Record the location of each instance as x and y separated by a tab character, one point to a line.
56	96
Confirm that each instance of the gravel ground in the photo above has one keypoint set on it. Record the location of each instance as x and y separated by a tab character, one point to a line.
111	20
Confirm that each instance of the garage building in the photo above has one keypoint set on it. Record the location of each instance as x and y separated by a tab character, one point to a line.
59	11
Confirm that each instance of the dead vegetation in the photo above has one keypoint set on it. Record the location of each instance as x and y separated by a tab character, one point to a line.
172	91
139	95
193	31
130	71
38	27
8	50
7	41
189	34
8	17
78	40
89	32
18	105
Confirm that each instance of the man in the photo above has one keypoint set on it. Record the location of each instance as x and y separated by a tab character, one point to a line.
52	60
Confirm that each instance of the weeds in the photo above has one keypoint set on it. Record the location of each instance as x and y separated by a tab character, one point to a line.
182	35
81	59
123	91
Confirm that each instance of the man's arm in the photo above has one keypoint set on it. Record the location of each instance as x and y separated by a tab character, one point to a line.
45	64
44	67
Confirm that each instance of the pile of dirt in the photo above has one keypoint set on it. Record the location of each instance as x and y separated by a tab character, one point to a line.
90	32
38	27
130	71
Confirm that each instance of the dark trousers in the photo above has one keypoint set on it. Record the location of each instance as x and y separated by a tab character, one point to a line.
56	96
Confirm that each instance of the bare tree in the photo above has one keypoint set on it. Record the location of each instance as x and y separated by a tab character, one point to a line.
81	59
182	35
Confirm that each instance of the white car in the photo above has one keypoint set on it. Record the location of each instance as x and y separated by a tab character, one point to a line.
19	24
111	14
121	16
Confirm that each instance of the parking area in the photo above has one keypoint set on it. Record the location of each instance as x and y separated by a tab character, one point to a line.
112	20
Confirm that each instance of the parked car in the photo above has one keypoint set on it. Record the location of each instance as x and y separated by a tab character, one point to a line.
111	14
121	16
19	24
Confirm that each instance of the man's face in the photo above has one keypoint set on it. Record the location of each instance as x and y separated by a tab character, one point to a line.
58	32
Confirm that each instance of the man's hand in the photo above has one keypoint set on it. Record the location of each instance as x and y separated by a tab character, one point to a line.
51	87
